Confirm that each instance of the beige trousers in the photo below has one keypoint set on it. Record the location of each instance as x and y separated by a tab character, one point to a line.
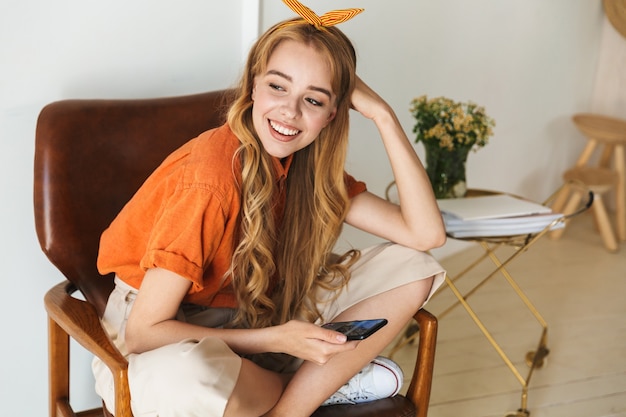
196	378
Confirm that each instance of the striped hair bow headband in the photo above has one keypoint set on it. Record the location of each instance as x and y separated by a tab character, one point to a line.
329	19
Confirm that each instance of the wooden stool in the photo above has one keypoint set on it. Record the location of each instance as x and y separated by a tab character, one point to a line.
609	134
598	181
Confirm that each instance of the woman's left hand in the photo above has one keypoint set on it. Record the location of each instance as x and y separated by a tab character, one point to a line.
367	102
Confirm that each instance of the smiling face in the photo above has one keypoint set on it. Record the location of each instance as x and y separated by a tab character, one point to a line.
293	99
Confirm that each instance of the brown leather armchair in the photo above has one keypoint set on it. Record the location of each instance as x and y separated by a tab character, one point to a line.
90	158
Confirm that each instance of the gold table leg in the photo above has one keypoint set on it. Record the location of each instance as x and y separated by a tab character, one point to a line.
534	359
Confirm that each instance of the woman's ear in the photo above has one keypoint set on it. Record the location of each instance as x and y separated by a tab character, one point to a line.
253	89
331	116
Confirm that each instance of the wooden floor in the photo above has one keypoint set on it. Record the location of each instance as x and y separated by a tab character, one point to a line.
580	290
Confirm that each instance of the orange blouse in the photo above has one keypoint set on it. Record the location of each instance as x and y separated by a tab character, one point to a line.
184	218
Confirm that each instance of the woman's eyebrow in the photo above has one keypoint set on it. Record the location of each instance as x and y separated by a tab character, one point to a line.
290	79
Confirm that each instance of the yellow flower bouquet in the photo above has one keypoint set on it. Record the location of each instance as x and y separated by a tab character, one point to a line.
449	130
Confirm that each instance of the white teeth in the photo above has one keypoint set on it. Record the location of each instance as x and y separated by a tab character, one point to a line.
283	130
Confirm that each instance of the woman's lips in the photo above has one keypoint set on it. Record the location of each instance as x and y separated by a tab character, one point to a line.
282	129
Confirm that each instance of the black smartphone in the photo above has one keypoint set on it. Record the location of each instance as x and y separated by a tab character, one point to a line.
357	329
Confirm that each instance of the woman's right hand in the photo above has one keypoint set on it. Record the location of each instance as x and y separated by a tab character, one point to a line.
309	342
152	324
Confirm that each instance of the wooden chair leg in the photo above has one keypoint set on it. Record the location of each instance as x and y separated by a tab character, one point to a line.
58	369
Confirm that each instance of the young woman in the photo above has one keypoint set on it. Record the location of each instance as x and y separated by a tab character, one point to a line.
223	259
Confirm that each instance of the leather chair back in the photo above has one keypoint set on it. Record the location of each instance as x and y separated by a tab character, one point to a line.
91	157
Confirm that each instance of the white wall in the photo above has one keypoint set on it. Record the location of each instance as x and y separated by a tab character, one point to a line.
531	63
51	50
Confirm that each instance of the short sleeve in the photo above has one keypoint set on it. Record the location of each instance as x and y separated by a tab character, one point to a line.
187	233
354	187
183	219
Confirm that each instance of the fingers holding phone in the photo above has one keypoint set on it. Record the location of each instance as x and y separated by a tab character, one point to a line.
357	329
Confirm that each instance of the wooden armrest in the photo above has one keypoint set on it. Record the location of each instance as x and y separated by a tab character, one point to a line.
80	321
421	382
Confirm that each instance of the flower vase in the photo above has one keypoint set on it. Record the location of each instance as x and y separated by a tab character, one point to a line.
446	170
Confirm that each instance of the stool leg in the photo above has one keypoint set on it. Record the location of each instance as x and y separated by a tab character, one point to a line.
587	152
571	205
604	224
620	193
561	198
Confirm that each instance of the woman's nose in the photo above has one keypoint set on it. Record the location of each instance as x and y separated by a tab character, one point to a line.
290	108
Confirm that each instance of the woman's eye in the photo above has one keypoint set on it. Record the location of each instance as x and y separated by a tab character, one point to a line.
276	87
314	102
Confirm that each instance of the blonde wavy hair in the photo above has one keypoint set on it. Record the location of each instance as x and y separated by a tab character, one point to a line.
277	269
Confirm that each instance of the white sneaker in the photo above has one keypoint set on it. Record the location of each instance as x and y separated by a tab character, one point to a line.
381	378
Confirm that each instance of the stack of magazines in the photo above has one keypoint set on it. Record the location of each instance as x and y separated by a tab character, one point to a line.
496	215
